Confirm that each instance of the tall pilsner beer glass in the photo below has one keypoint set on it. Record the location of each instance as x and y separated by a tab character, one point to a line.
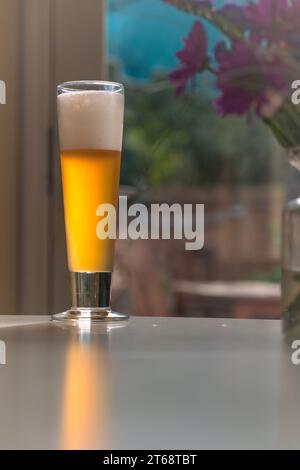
90	119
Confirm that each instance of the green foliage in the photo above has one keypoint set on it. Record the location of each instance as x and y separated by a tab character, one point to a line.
269	276
294	306
181	140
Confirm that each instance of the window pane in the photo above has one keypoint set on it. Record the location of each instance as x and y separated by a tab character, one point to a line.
179	149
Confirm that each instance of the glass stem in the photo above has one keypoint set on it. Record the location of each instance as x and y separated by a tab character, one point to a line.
90	290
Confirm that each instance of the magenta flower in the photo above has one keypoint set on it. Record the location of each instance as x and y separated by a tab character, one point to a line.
193	58
274	20
256	65
245	77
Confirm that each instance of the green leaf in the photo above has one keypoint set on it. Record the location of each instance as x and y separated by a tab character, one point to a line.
295	304
296	277
278	133
222	22
285	125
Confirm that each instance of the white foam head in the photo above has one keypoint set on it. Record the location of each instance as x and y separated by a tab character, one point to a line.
91	120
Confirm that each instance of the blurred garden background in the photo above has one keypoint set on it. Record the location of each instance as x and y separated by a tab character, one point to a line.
177	149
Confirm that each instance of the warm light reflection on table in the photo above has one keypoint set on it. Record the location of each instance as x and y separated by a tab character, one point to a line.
86	392
83	392
171	383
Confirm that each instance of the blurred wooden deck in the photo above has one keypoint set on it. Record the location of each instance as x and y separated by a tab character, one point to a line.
242	242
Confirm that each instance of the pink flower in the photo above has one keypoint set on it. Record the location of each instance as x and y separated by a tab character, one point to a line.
245	76
274	20
193	58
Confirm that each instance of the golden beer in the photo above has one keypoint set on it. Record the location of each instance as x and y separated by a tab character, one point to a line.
90	177
90	121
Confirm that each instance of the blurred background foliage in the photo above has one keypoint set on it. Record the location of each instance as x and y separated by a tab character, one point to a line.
181	140
176	143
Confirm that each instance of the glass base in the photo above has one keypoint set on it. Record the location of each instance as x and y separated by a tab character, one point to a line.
89	315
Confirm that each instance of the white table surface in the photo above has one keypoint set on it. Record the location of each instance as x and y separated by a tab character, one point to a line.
156	383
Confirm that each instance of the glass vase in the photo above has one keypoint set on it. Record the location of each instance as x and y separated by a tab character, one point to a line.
290	280
290	258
